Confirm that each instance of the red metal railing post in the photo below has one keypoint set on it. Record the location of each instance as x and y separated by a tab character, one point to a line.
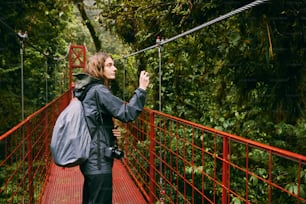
46	122
225	169
30	162
70	67
152	158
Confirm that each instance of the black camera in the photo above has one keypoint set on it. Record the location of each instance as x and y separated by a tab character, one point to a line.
113	153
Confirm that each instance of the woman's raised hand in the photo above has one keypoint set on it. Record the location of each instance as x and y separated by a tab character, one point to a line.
144	80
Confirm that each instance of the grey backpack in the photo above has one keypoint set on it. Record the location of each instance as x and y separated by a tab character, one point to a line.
71	138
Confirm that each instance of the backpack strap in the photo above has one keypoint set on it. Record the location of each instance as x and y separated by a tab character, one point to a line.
81	98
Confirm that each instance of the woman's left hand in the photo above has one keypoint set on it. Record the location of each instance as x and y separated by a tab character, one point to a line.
117	132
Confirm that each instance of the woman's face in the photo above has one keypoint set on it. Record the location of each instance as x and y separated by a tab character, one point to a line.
109	69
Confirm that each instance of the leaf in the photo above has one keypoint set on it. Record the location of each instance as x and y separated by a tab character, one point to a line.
236	200
292	188
254	180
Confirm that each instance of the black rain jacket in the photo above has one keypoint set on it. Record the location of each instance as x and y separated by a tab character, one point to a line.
91	91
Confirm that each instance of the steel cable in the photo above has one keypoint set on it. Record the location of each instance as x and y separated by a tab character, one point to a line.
220	18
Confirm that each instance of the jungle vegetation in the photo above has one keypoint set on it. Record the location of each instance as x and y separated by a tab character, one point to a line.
245	75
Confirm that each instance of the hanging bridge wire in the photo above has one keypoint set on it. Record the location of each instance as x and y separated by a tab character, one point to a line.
158	42
160	75
159	46
220	18
140	51
124	76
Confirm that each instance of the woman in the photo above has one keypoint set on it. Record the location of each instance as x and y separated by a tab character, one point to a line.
100	107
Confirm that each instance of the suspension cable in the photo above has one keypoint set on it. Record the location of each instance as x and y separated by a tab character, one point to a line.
239	10
220	18
162	192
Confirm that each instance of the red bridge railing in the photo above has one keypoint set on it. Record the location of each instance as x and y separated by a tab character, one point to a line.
25	156
177	161
172	161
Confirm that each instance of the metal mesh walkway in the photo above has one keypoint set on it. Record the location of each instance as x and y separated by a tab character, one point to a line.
65	186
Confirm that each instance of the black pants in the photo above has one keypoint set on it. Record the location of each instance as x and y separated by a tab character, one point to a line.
97	189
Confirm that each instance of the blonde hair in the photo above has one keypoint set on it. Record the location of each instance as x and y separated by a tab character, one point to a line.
95	66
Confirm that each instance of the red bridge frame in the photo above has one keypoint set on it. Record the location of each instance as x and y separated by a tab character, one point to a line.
77	59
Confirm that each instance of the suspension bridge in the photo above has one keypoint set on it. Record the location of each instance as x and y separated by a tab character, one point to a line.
168	159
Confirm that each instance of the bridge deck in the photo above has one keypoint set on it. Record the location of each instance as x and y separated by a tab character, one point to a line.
65	186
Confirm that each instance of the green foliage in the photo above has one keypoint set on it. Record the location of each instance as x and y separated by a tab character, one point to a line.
45	76
14	176
244	75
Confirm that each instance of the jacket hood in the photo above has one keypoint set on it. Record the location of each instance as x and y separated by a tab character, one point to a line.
82	84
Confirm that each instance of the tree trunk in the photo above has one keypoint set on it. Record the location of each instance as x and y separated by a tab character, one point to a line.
95	38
